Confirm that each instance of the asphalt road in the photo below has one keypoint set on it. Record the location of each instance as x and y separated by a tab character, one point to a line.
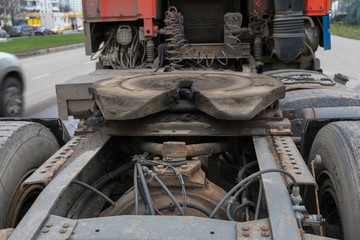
344	58
44	72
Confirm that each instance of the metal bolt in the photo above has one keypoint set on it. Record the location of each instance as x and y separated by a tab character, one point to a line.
66	225
184	166
45	230
264	228
48	225
265	234
63	230
246	234
246	228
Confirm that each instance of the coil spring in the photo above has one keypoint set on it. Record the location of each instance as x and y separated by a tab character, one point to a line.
258	49
173	28
177	42
150	51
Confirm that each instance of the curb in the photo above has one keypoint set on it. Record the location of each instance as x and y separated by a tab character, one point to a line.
49	50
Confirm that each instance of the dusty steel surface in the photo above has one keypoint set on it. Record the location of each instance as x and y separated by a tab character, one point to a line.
48	170
165	227
5	233
351	112
291	161
298	76
73	99
197	124
223	95
30	225
280	210
307	236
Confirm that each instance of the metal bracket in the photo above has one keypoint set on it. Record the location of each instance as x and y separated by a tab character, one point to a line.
281	214
292	161
259	229
48	170
57	228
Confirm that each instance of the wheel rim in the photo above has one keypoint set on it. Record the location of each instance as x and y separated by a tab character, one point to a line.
330	212
21	201
13	101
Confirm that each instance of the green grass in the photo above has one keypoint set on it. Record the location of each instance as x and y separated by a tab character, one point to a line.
344	30
17	45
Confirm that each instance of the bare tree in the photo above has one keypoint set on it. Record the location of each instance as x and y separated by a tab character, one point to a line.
3	14
14	9
9	9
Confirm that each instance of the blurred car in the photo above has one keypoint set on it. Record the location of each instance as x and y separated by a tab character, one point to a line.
57	30
12	86
80	29
3	33
21	30
43	31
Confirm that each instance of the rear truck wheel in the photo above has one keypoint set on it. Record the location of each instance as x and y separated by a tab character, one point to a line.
24	146
338	177
11	98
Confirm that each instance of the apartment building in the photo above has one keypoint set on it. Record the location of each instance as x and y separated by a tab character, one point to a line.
39	6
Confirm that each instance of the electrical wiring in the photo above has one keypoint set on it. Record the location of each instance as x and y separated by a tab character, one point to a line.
145	189
167	191
244	181
78	205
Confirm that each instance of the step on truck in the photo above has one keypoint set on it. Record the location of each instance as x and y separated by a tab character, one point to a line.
203	120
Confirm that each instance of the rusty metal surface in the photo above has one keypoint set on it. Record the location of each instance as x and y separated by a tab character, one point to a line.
179	150
219	50
48	170
197	124
30	225
223	95
57	228
207	196
5	233
292	161
280	210
192	174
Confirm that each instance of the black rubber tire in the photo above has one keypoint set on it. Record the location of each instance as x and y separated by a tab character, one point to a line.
14	107
24	146
338	144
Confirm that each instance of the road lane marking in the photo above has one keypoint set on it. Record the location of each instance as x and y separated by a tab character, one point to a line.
41	76
89	62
